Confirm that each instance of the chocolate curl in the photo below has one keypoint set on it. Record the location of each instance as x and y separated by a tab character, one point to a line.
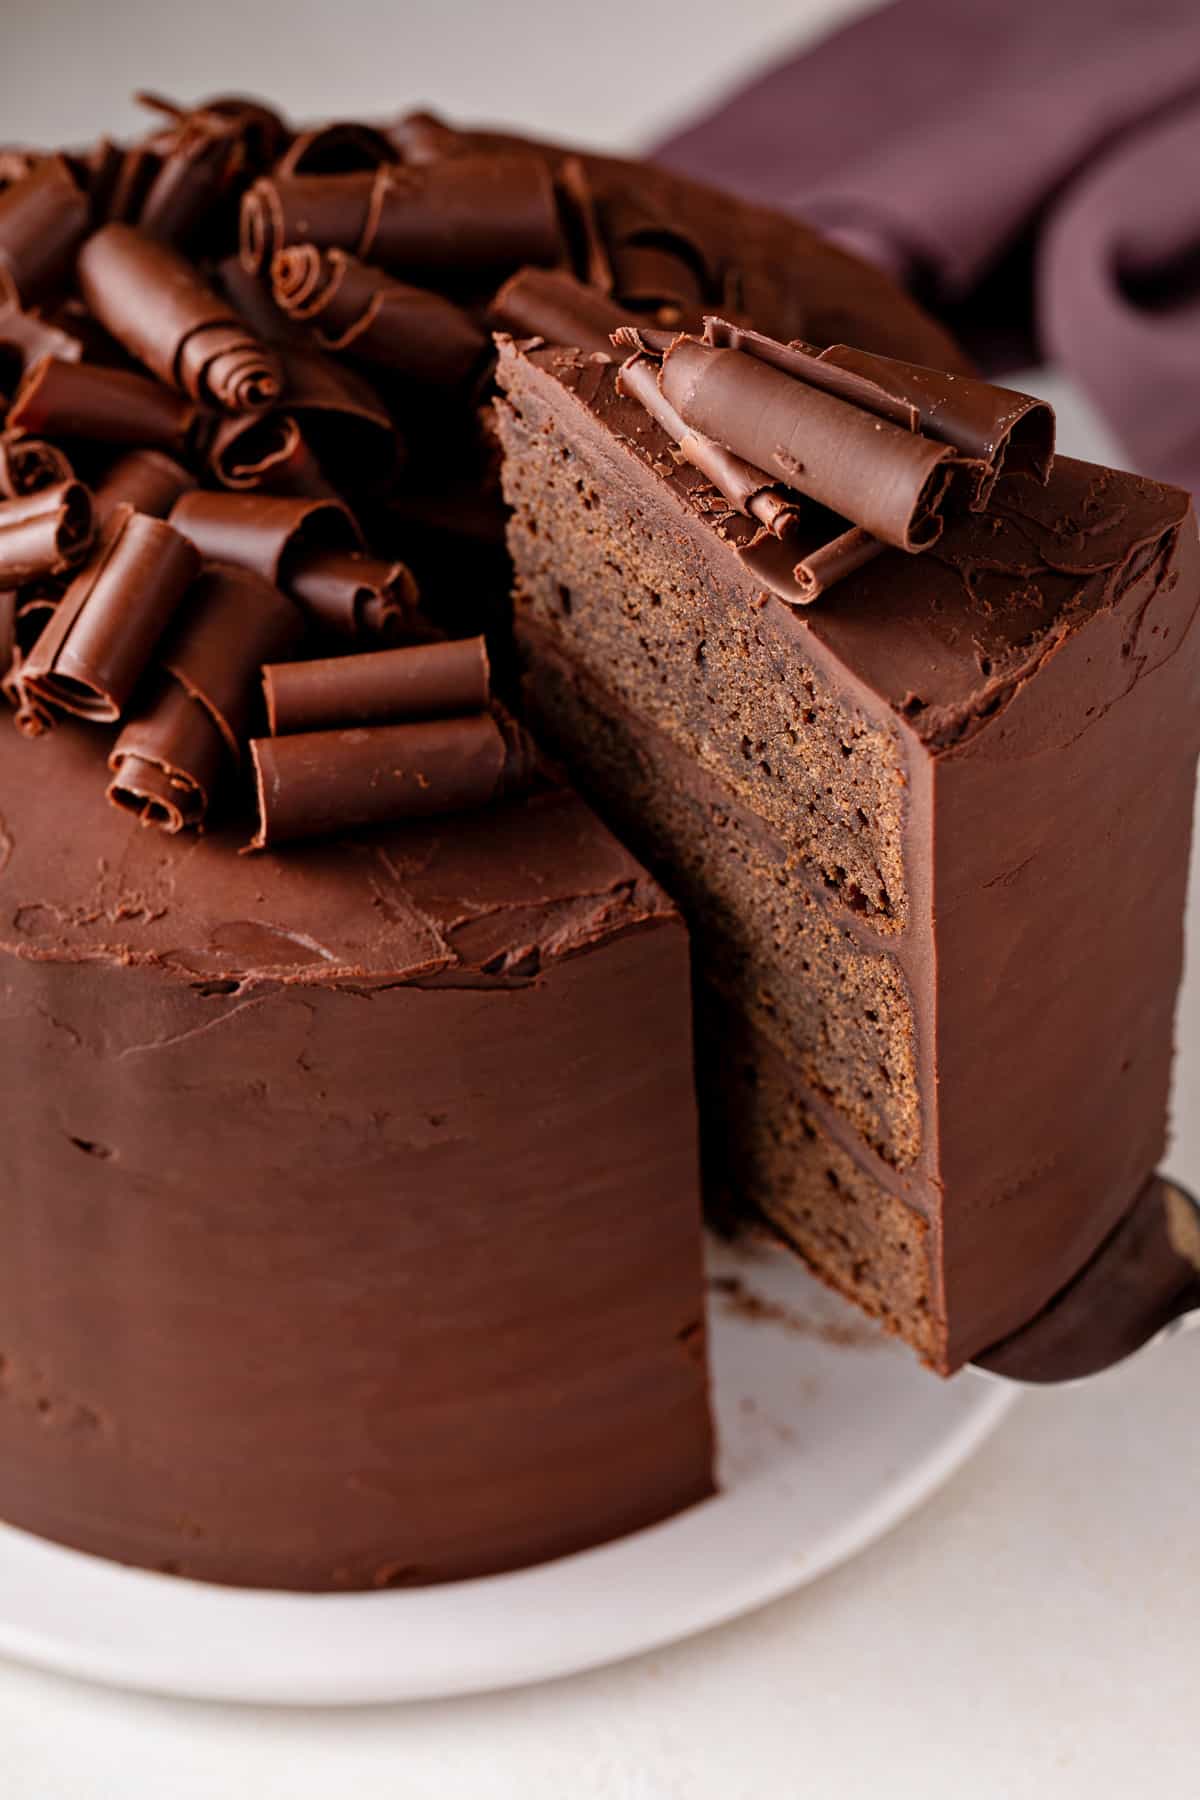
23	617
354	596
154	303
27	464
998	430
169	761
43	218
44	533
422	681
247	454
421	137
147	480
801	565
344	147
364	313
330	211
654	267
108	624
581	216
27	336
550	304
747	489
83	400
264	532
323	783
886	479
466	217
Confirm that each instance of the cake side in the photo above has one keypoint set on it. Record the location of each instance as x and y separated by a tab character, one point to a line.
333	1176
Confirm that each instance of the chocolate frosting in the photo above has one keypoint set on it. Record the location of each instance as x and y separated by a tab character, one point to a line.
419	681
155	303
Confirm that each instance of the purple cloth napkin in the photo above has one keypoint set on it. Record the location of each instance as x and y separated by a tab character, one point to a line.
1030	168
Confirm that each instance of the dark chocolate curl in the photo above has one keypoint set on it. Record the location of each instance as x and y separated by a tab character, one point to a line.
263	532
83	400
168	761
147	480
25	337
270	451
364	313
45	532
344	147
27	464
422	681
23	618
107	626
550	304
997	429
747	489
43	218
192	178
886	479
233	623
330	211
465	217
801	565
323	783
154	303
355	596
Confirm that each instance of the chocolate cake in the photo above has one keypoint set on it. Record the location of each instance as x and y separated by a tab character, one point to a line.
350	1226
929	826
351	1218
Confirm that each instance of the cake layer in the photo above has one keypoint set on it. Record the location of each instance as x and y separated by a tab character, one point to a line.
348	1197
726	684
1001	709
835	1002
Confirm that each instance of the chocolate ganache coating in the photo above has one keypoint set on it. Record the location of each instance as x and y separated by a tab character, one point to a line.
351	1233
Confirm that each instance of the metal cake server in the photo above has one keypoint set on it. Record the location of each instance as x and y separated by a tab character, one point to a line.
1142	1285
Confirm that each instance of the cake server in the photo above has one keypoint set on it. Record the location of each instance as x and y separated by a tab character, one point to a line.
1141	1286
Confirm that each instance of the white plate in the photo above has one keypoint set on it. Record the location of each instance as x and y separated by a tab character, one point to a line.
829	1435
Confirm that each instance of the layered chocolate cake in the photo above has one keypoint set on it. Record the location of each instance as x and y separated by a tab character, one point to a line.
350	1224
903	711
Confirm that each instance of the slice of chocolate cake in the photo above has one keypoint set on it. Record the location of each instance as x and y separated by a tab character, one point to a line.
930	832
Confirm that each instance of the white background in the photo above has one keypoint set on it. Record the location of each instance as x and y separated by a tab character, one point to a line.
1035	1631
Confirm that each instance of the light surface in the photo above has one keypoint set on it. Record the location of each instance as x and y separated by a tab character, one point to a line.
1031	1634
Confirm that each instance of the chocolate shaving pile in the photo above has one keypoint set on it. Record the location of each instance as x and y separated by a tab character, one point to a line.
219	345
835	453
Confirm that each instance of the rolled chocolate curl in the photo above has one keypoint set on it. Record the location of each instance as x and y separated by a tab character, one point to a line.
233	623
362	312
246	454
998	430
655	267
23	617
550	304
169	761
43	218
45	532
27	464
83	400
581	218
148	480
154	302
888	480
802	565
351	595
464	217
748	490
195	174
106	628
25	337
343	147
263	532
379	687
323	783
